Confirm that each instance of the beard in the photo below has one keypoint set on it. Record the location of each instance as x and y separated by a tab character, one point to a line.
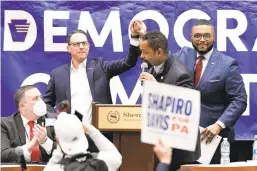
202	52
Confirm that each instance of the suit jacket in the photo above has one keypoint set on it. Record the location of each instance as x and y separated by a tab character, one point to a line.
175	73
13	135
223	95
162	167
99	73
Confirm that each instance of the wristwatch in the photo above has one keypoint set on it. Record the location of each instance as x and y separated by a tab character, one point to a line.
134	36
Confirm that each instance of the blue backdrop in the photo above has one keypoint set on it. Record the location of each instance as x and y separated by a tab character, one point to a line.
33	36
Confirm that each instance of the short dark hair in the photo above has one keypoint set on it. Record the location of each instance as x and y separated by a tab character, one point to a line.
156	40
19	94
74	32
201	22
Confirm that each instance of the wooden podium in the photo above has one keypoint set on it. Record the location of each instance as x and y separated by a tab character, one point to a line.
125	123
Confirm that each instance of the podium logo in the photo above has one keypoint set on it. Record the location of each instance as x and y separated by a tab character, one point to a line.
20	31
113	117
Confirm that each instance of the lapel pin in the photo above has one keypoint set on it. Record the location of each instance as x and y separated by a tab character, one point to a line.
212	63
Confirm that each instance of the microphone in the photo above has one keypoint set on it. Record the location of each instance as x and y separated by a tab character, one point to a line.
19	152
144	66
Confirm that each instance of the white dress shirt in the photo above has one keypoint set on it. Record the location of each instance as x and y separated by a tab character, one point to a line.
81	97
47	145
205	62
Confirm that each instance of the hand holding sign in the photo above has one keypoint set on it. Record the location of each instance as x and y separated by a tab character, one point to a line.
163	152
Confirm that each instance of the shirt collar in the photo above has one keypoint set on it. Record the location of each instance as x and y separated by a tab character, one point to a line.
207	55
159	68
25	120
81	65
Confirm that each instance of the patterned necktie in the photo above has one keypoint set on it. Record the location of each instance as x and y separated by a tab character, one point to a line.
35	155
198	70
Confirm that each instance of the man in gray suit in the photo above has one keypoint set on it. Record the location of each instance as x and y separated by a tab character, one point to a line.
169	70
26	130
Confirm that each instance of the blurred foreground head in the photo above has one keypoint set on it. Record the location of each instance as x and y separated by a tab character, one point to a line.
70	134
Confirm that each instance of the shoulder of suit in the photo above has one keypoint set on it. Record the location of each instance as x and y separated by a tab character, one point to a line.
187	49
61	68
9	119
96	61
180	68
65	66
224	58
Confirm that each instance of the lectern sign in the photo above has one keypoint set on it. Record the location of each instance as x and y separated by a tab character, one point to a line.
171	113
117	117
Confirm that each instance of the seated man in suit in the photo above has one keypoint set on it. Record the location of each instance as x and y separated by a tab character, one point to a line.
216	75
169	70
25	129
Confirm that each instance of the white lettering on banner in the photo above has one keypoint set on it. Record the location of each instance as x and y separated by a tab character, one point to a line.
255	46
233	34
117	88
112	24
248	78
181	21
20	25
36	78
156	16
50	31
23	41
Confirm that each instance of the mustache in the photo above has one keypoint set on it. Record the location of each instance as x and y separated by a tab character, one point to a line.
202	52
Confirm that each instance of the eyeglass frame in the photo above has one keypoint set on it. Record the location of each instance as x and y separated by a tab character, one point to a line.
77	44
202	35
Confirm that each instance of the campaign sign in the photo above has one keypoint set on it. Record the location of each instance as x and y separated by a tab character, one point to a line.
170	113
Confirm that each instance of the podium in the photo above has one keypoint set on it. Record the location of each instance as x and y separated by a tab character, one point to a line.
15	167
124	121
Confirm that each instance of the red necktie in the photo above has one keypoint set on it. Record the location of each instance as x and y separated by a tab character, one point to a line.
198	69
35	155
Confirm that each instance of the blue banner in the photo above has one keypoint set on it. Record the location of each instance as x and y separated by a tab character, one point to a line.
33	41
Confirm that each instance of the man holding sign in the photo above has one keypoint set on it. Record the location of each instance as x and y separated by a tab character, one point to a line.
169	70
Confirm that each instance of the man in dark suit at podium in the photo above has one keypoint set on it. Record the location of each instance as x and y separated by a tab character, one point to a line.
25	130
169	70
84	80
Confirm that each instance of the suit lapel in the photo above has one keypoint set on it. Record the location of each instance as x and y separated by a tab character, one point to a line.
90	74
20	128
191	62
209	68
67	81
160	77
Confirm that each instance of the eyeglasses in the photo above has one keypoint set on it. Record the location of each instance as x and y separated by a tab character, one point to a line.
199	36
77	44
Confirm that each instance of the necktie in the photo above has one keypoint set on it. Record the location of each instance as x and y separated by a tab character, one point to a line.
35	155
198	69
